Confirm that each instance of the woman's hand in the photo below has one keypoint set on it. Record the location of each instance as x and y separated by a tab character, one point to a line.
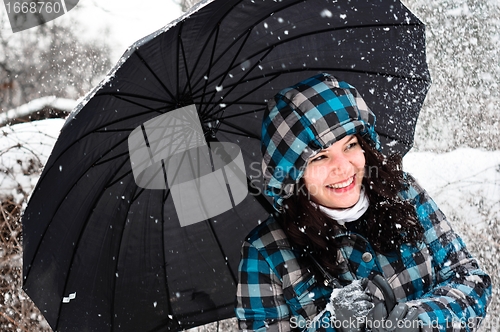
400	319
350	305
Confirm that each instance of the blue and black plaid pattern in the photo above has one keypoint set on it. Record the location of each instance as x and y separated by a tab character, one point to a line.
439	276
303	119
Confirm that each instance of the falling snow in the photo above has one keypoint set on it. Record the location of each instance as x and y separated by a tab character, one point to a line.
326	13
456	156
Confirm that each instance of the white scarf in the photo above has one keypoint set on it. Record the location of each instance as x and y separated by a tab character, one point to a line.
350	214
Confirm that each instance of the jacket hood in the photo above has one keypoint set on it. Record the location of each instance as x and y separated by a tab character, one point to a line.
303	119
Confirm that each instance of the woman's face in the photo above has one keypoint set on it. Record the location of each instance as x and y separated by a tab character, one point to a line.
333	177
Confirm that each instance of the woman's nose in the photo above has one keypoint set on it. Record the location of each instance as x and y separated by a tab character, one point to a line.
339	165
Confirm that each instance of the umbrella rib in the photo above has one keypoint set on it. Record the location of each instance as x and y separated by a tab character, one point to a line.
368	72
169	302
122	176
237	133
243	78
346	70
181	27
208	39
233	86
269	48
295	70
181	44
250	28
137	194
154	74
217	30
221	249
124	130
179	41
240	114
152	178
117	261
116	271
243	132
150	109
74	184
102	130
228	68
251	91
120	95
118	179
350	70
77	243
110	159
166	196
219	245
237	53
265	204
142	188
164	174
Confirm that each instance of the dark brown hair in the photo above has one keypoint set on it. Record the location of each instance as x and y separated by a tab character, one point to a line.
388	222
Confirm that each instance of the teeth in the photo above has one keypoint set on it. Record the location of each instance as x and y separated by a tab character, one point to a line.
342	184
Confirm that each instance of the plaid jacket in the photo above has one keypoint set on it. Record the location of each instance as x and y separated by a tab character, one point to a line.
438	276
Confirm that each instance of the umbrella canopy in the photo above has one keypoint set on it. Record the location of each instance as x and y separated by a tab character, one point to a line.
104	253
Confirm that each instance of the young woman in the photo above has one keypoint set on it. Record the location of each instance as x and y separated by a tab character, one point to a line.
347	211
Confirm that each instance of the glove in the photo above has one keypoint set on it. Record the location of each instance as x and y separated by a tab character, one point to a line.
350	305
400	319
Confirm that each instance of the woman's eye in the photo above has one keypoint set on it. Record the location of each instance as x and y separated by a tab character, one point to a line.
318	158
351	145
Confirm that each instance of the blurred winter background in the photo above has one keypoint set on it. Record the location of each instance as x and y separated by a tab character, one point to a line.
45	70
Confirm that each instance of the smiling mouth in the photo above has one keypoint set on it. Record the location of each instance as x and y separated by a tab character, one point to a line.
343	184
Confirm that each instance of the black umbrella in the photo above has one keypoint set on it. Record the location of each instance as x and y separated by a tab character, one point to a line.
102	253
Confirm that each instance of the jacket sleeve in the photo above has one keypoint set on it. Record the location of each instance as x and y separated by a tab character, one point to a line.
260	304
462	291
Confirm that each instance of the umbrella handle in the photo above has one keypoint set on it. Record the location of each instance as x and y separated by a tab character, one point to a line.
387	292
379	281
